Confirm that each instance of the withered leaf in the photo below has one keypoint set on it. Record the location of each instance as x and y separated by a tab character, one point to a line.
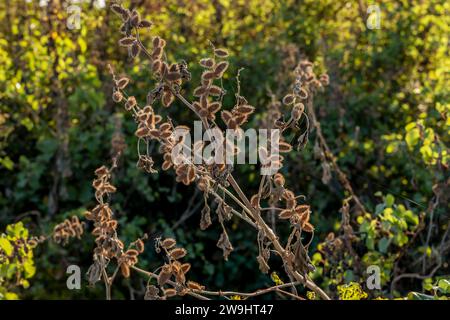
225	244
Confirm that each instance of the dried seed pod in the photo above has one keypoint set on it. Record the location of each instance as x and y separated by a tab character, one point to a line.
304	217
173	76
308	227
167	99
222	53
125	269
131	102
166	165
254	201
226	116
284	147
288	99
140	245
117	96
135	18
215	91
118	9
204	102
195	286
185	267
330	237
232	124
165	126
291	203
203	113
145	24
102	171
157	53
279	180
156	65
88	215
132	252
220	68
302	93
207	63
164	275
191	173
199	91
32	243
156	42
177	253
208	75
241	119
97	231
286	214
300	209
168	243
170	292
245	109
206	82
288	194
203	184
297	111
214	107
135	49
142	132
122	83
127	41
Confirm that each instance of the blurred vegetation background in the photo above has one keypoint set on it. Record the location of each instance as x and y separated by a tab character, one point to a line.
385	115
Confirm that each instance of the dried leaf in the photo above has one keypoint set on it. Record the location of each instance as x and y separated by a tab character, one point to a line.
225	244
205	220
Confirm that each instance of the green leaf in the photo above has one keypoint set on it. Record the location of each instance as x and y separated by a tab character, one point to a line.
412	137
29	268
419	296
11	296
7	163
383	244
379	208
444	285
17	230
370	243
6	246
389	200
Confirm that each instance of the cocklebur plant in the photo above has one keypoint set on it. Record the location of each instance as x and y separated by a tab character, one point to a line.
215	180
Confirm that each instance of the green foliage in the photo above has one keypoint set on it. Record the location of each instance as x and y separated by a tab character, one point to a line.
16	261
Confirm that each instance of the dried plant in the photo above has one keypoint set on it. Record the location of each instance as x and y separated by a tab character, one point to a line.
215	181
